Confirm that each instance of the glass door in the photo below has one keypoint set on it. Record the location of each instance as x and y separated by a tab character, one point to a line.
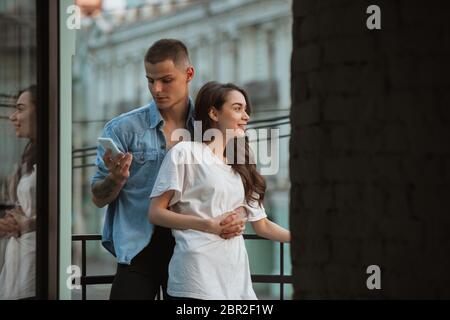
19	147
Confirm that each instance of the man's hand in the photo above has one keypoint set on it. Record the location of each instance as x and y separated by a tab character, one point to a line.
106	190
119	166
227	225
234	223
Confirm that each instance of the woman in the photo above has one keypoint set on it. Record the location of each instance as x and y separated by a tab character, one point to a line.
197	182
18	274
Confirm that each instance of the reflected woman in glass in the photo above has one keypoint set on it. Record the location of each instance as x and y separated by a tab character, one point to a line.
18	273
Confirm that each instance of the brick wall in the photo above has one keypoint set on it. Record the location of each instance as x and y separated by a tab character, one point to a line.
370	149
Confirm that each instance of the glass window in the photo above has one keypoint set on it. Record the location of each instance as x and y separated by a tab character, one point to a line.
19	105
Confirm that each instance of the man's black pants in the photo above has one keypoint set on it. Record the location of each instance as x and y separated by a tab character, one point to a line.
148	271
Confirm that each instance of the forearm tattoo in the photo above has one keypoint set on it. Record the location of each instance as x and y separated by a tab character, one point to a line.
104	189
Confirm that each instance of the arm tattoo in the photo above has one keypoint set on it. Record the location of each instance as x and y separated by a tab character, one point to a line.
104	189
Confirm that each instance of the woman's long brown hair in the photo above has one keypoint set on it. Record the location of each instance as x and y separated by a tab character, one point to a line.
28	156
214	94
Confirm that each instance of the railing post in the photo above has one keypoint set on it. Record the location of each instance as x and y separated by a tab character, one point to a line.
281	270
83	269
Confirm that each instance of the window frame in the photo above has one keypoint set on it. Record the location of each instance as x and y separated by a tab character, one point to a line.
47	191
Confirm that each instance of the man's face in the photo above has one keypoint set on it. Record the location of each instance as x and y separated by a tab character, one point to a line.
168	83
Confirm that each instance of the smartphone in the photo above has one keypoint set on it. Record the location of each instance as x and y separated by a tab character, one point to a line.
108	143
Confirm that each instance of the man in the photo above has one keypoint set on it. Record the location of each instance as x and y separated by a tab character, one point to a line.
125	182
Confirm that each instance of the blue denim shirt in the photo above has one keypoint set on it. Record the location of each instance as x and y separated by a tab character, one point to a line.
126	230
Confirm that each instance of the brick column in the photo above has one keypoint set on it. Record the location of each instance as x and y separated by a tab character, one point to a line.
370	149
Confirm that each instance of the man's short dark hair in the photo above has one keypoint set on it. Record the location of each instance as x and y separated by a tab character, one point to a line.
168	49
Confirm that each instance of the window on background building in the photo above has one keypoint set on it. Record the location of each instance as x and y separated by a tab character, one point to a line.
19	105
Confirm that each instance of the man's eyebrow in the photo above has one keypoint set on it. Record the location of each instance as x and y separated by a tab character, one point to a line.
166	76
238	103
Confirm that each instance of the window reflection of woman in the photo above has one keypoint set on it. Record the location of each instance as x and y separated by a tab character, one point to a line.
17	277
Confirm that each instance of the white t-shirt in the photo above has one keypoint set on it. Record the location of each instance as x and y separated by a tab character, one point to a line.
18	275
203	265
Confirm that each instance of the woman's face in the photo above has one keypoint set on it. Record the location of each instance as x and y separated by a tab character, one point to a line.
233	115
24	118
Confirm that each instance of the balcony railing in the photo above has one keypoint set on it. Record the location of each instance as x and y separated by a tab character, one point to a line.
86	280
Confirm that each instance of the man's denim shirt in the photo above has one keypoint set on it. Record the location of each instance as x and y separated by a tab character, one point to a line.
127	230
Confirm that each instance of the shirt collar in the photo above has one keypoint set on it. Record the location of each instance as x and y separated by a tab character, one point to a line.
190	116
156	118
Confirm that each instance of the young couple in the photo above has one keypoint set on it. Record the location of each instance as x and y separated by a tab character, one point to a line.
205	202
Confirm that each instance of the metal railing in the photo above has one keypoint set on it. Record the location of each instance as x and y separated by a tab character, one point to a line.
86	280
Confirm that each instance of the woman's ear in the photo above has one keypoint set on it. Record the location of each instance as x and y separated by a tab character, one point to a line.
213	114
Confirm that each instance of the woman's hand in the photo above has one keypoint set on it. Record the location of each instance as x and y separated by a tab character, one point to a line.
234	225
9	226
229	224
23	223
